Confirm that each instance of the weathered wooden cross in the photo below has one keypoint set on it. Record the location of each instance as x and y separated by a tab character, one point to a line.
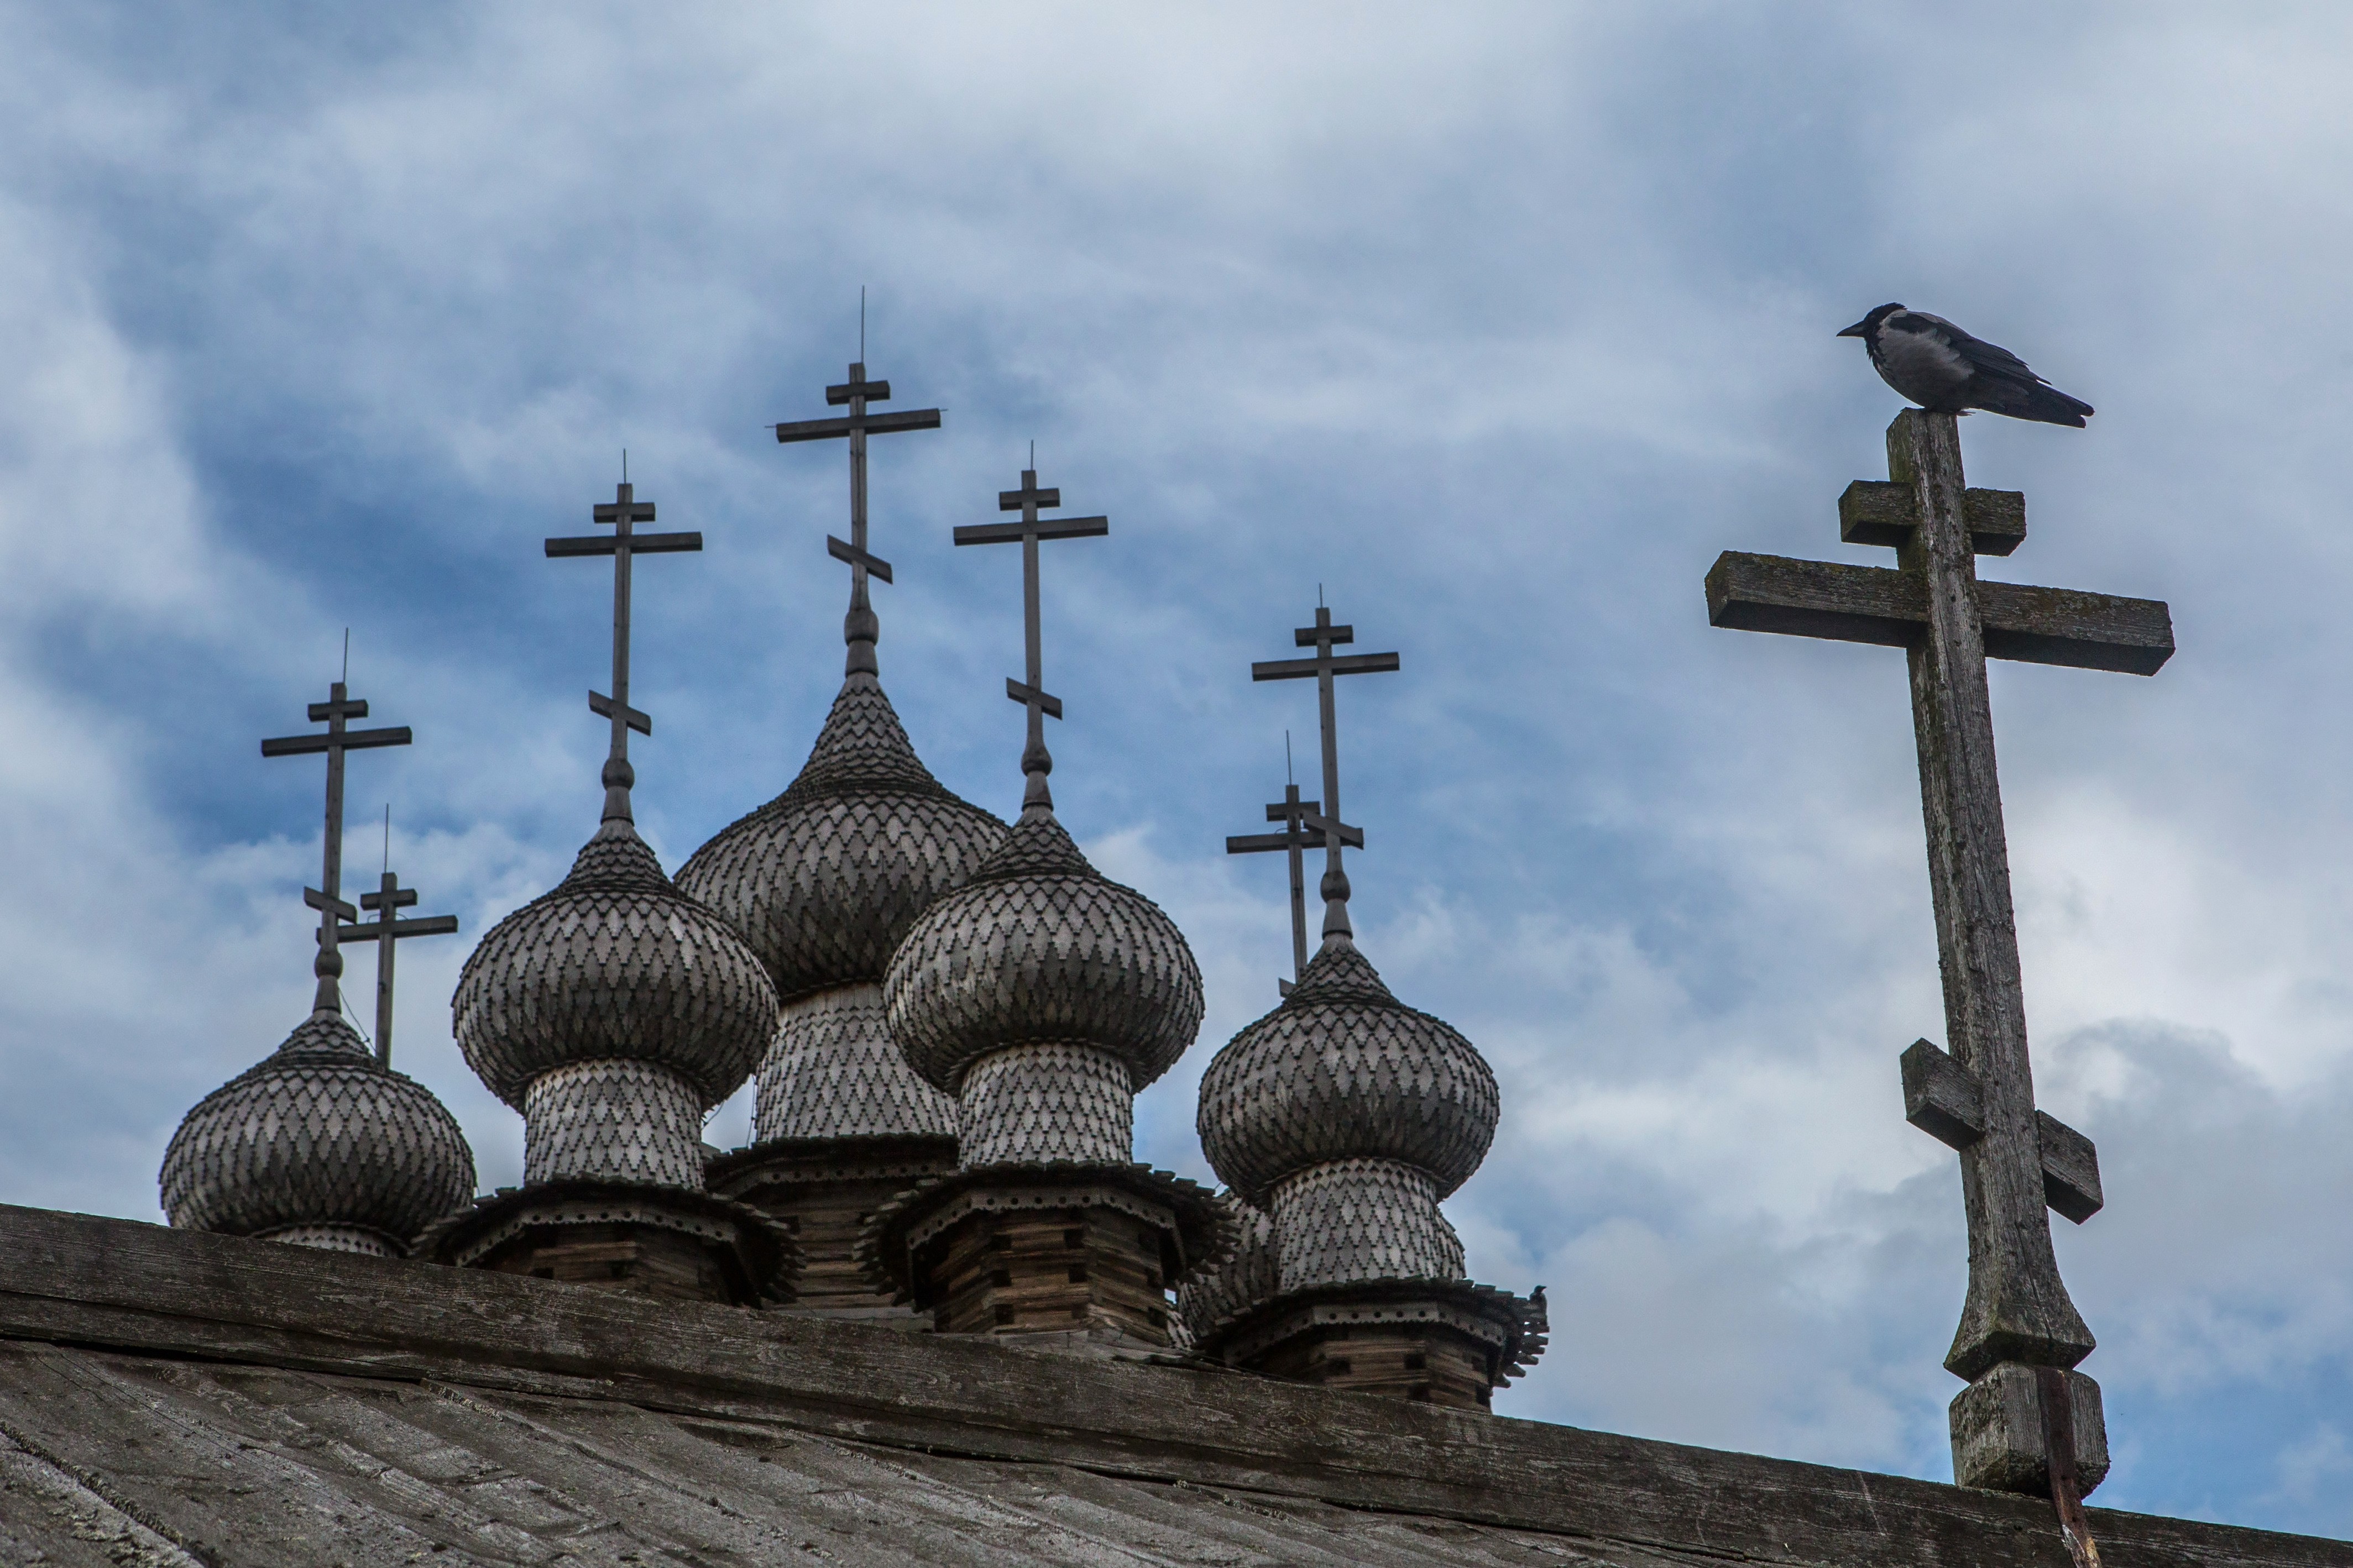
1036	762
624	512
858	628
327	899
1322	636
386	932
2018	1321
1295	837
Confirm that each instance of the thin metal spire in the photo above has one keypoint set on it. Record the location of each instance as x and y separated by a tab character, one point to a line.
1037	800
327	898
624	512
861	628
1322	636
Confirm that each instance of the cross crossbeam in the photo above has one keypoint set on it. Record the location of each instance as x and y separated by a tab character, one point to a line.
1323	668
386	931
624	513
1037	763
1297	837
861	628
336	713
2017	1161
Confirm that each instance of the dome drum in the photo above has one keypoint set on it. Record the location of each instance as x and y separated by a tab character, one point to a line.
1352	1220
834	1072
353	1238
1059	1104
613	1121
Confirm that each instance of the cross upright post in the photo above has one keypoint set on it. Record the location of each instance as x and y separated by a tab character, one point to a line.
624	512
2020	1334
335	712
860	629
1036	761
1324	636
1295	837
386	931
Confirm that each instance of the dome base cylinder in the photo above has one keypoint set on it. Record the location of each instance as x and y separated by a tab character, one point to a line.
1059	1104
834	1072
1429	1365
668	1243
1351	1220
613	1120
1054	1271
824	1191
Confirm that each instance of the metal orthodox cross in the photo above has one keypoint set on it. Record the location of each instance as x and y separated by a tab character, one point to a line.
1322	636
2019	1332
624	513
1295	837
386	932
1036	763
859	628
334	712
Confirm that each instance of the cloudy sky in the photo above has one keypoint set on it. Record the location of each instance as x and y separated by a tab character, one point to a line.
1494	323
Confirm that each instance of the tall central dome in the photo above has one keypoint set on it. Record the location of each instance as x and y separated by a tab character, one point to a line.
822	883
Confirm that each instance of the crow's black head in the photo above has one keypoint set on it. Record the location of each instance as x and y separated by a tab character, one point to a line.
1862	328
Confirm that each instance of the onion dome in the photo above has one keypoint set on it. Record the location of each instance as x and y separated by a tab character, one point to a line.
318	1144
615	963
824	880
1038	949
1343	1071
1247	1277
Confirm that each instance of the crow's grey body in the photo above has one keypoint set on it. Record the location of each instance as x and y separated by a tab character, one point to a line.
1945	370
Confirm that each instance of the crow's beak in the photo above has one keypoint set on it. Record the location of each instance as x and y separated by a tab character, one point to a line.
1856	330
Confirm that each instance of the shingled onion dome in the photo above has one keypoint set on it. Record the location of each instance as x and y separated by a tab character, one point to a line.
319	1146
1346	1116
1043	996
822	883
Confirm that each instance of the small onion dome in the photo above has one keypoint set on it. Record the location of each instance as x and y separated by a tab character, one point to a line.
1040	948
317	1135
1246	1278
614	964
824	880
1343	1071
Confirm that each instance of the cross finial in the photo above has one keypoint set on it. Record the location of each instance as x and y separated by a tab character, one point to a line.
859	628
1324	636
1296	837
386	931
335	712
1036	761
624	512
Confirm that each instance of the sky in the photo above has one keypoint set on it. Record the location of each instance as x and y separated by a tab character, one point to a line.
1492	324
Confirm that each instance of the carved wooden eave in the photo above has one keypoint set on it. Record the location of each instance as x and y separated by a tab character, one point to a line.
176	1397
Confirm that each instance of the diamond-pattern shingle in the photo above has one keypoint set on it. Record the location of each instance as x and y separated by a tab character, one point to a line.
614	962
1342	1070
317	1135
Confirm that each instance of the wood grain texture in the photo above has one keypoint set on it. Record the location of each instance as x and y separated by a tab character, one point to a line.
1889	607
2017	1308
222	1302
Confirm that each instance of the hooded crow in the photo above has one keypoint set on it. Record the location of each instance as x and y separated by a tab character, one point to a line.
1946	371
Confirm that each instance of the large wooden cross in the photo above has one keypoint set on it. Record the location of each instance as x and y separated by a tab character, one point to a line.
1295	838
1322	636
860	629
1036	762
386	931
335	712
624	512
1979	1098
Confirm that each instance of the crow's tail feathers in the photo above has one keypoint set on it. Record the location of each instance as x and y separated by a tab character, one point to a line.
2047	403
